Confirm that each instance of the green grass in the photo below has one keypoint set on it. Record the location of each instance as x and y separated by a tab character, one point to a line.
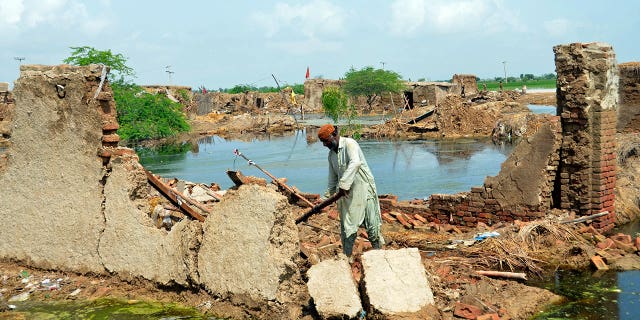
531	84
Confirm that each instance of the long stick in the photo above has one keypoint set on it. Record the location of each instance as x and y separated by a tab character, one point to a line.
585	218
512	275
319	207
173	195
305	200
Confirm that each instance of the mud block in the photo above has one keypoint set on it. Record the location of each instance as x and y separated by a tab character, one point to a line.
333	289
4	86
395	281
467	311
599	263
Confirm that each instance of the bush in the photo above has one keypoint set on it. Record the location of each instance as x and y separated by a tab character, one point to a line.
145	116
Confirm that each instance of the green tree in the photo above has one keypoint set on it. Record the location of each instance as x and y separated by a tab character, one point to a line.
372	83
117	63
141	115
335	104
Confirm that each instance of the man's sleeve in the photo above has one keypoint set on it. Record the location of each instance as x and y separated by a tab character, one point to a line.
333	180
353	151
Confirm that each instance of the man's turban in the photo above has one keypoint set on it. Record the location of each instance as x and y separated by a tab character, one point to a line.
326	131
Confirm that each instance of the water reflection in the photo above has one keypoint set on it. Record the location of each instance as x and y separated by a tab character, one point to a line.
595	296
409	169
540	109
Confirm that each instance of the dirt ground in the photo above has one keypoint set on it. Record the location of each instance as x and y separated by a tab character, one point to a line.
450	254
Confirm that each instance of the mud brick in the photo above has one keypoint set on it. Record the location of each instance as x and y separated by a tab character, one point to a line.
111	138
419	218
488	316
104	153
477	189
485	215
388	218
469	219
624	238
416	223
628	247
403	221
606	244
110	126
477	204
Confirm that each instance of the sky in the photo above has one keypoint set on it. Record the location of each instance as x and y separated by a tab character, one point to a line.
220	44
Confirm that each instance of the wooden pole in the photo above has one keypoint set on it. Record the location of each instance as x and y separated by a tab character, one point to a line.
278	182
512	275
174	196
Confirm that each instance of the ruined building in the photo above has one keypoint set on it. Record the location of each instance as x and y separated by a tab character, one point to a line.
570	163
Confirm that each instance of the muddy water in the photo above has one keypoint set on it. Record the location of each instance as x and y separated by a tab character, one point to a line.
600	295
410	170
103	309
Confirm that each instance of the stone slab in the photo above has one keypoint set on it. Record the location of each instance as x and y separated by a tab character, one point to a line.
333	289
396	281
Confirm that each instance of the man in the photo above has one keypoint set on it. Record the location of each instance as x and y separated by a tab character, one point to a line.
349	176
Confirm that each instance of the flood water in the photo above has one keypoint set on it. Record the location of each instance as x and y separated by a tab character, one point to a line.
410	170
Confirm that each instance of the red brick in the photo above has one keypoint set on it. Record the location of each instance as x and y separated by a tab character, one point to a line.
467	311
489	316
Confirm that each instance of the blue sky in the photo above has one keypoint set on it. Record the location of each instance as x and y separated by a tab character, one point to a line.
219	44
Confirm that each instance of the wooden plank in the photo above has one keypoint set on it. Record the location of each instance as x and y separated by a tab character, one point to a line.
599	263
176	197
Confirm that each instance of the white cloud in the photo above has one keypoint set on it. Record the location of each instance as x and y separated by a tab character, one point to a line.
446	16
10	11
307	46
25	15
557	27
407	16
312	19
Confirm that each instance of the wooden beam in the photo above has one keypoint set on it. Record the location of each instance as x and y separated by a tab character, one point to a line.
176	197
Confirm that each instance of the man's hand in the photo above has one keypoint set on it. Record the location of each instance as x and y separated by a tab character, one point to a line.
315	209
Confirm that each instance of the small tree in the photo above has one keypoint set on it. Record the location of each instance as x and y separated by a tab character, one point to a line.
372	83
335	104
141	115
82	56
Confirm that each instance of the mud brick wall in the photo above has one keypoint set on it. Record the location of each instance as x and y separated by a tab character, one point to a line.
523	190
468	81
629	94
587	97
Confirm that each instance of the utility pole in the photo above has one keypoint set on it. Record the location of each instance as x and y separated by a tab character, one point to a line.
504	64
382	63
19	59
168	71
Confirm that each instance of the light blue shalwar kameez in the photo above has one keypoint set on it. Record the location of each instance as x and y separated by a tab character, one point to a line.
348	170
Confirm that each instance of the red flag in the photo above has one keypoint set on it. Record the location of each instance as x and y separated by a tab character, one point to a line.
307	76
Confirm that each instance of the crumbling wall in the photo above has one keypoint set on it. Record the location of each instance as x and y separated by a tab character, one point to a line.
6	116
313	92
421	94
466	81
629	91
51	189
247	102
587	101
522	190
73	200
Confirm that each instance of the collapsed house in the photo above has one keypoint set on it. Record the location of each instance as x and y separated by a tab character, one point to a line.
77	201
415	94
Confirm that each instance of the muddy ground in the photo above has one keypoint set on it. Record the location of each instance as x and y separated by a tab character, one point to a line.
450	255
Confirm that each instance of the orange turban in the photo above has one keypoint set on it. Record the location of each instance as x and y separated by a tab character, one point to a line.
326	131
